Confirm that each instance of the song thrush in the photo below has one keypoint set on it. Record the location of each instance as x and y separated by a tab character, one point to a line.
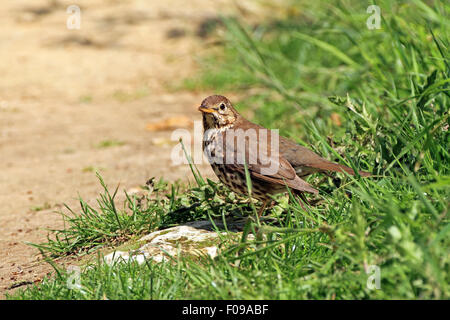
274	162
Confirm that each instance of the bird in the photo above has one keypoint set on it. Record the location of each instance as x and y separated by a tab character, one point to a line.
274	163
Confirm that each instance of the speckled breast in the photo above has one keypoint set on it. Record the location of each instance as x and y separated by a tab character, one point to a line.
230	176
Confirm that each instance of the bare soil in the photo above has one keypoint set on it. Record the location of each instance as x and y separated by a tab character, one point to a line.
76	101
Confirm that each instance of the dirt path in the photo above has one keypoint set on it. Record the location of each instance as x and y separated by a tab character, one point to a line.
72	101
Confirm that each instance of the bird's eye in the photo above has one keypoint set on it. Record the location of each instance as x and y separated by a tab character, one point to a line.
222	106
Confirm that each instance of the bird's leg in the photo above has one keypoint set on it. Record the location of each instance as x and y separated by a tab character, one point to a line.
262	208
336	180
302	199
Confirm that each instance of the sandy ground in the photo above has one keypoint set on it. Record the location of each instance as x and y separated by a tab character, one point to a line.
63	92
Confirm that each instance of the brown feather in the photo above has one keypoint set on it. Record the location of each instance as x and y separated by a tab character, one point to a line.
330	166
301	157
285	174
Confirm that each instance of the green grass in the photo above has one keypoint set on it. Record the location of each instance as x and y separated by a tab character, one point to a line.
45	206
390	88
109	143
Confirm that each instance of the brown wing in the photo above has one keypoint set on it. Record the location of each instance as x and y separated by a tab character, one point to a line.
274	169
300	157
283	177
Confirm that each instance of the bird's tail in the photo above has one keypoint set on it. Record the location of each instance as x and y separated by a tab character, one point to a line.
330	166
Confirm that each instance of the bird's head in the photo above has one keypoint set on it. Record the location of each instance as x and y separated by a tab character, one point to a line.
218	112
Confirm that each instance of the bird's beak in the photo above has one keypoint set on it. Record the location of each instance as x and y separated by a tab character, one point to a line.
205	110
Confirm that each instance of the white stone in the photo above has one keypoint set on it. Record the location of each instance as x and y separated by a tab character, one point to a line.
180	240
